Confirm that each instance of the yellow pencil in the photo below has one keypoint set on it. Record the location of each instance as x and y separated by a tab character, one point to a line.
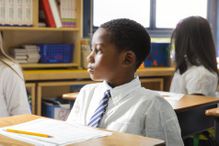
27	133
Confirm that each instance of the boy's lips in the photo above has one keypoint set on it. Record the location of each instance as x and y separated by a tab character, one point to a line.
90	69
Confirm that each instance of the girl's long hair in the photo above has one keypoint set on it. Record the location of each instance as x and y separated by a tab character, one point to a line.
6	59
193	43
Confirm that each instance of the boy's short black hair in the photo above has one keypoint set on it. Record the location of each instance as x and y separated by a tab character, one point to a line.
127	34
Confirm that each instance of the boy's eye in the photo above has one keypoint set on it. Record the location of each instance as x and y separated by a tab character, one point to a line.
96	50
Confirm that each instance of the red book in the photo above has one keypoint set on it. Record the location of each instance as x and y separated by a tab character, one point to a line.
50	21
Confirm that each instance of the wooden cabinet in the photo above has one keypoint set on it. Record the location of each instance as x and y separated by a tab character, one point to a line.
55	89
18	36
153	83
31	90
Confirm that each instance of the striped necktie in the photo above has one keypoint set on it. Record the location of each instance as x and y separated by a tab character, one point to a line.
98	114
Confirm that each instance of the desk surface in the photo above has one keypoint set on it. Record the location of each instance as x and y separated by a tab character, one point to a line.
116	139
191	101
186	102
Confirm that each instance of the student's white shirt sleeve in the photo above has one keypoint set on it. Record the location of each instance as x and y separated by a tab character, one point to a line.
161	122
201	82
15	93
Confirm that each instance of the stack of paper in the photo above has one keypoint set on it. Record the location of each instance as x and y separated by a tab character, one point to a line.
28	54
61	132
171	95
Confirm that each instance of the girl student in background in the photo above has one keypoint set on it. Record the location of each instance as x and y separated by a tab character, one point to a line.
13	95
195	57
196	66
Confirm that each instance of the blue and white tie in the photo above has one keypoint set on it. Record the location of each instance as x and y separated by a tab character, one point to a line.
98	114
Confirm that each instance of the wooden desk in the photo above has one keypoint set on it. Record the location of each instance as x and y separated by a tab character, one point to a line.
190	111
116	139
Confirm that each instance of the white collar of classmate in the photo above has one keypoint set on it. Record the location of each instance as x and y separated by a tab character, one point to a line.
131	109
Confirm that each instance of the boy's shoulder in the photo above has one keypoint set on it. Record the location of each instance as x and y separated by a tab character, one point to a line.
149	94
153	96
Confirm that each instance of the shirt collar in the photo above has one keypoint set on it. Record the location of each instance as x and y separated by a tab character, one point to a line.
119	92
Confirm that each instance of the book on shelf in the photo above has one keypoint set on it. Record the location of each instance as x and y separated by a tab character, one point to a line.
16	12
27	14
44	4
55	13
2	10
10	16
68	13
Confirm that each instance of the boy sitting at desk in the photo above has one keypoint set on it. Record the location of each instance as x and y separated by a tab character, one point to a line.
120	103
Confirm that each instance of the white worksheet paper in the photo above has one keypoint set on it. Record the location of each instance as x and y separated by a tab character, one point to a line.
62	132
171	95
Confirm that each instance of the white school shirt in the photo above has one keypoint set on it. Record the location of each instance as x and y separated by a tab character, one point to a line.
13	95
131	109
197	79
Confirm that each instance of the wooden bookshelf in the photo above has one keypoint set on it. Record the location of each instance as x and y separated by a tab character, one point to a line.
15	37
37	29
55	65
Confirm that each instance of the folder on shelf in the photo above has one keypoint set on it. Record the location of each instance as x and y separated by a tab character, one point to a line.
60	132
48	13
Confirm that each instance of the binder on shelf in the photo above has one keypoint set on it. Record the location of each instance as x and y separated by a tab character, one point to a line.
27	17
48	13
2	10
68	13
56	53
16	12
55	13
10	14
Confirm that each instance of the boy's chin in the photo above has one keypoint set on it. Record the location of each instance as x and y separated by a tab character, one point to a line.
95	78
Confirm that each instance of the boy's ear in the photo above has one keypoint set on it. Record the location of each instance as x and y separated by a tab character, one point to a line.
129	58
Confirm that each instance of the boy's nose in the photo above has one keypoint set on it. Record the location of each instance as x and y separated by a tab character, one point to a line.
90	57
